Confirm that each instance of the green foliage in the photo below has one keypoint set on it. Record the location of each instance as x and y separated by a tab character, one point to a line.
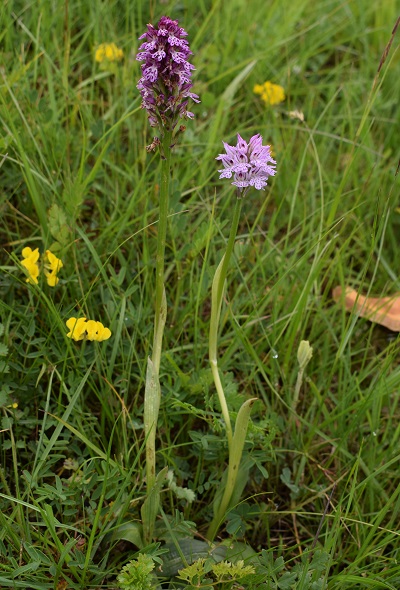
225	570
5	390
309	574
59	228
136	575
179	491
264	572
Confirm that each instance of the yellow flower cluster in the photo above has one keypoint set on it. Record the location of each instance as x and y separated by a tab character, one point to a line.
108	52
81	329
30	262
270	93
52	264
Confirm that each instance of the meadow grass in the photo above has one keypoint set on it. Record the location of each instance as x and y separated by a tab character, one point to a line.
74	169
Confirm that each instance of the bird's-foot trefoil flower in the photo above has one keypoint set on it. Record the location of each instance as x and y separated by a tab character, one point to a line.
165	85
52	265
250	164
96	331
29	261
82	329
108	52
270	93
77	328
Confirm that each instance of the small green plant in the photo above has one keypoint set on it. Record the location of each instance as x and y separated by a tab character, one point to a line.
204	573
136	575
261	572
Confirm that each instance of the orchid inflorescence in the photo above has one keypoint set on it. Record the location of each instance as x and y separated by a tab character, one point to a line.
166	74
250	164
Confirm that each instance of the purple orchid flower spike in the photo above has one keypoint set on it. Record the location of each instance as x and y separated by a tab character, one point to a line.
165	85
250	164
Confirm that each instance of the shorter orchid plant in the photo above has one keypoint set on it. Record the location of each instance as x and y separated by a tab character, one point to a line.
250	165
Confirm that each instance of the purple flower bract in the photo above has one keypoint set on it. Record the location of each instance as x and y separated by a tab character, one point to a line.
166	74
250	163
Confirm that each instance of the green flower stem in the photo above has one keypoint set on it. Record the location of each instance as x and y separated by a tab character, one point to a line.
235	439
152	394
161	237
216	303
222	401
299	383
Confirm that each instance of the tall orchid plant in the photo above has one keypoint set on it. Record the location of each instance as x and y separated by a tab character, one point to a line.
165	87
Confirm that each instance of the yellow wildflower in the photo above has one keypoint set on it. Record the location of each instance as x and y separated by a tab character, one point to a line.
103	334
30	262
108	52
96	331
270	93
51	267
14	406
77	328
90	330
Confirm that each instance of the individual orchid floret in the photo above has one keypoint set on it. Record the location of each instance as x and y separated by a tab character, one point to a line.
52	265
250	164
165	85
30	263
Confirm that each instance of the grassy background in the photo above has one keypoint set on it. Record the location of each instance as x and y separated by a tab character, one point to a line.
73	134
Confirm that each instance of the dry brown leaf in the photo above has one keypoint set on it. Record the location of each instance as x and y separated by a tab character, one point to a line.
381	310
